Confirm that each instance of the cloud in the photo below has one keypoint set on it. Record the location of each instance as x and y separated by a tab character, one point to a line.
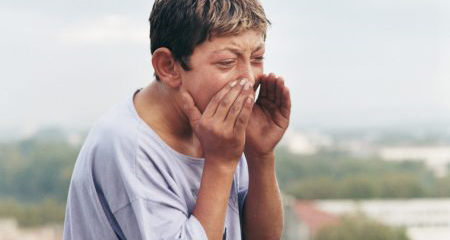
112	29
346	62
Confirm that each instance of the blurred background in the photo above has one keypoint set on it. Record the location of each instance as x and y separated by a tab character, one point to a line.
368	150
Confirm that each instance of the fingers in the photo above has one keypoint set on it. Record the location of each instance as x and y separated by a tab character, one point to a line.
279	87
228	100
268	87
263	88
282	99
211	108
274	94
285	107
190	109
240	124
270	81
238	106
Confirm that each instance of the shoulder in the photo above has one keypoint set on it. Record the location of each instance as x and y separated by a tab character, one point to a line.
117	128
108	156
111	144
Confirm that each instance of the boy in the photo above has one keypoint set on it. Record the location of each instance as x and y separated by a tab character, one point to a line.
191	156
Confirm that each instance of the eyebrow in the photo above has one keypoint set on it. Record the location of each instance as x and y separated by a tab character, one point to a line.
238	51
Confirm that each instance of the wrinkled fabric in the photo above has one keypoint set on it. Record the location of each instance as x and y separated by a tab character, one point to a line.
129	184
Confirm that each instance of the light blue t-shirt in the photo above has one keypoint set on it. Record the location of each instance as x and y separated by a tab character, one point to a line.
129	184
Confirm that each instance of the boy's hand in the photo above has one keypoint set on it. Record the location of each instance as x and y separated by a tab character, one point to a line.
221	127
269	119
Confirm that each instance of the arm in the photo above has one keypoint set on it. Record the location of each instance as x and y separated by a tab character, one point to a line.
263	211
221	131
212	200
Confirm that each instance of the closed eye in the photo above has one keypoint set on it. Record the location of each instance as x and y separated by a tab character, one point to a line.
258	59
226	64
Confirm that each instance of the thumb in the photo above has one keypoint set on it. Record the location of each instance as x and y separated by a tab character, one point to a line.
190	109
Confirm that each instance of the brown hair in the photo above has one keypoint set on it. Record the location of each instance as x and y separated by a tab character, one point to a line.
181	25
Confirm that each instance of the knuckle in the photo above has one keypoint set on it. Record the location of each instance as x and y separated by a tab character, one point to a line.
234	109
215	131
215	99
228	136
204	126
224	102
247	106
241	119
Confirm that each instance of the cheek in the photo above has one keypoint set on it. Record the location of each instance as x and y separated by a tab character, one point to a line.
206	93
216	82
205	88
205	82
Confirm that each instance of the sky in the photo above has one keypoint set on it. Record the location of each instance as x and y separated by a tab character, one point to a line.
348	63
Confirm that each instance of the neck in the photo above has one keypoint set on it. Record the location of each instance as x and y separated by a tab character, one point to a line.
159	107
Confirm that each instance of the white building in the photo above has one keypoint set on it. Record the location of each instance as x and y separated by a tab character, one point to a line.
435	157
424	219
10	230
308	142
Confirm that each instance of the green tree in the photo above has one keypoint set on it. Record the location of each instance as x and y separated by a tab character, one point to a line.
358	228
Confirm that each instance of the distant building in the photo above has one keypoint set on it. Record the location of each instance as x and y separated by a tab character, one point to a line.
424	219
9	230
311	219
303	219
436	158
307	143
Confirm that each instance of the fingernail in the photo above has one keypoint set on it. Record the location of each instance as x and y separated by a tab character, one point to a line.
232	84
243	81
250	99
247	86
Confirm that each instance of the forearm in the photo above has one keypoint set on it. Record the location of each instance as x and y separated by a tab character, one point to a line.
263	214
212	200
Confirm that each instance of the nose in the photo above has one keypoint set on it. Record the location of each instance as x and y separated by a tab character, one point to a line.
246	71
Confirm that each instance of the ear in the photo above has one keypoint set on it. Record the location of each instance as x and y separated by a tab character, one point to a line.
165	67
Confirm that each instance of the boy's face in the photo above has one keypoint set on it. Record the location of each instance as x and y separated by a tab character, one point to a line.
220	61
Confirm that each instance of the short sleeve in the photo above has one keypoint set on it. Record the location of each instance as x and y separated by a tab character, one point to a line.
149	220
155	208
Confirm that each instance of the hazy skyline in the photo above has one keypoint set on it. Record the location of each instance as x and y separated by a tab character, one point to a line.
347	63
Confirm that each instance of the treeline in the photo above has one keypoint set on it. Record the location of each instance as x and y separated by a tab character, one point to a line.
35	176
47	211
337	175
36	169
359	227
